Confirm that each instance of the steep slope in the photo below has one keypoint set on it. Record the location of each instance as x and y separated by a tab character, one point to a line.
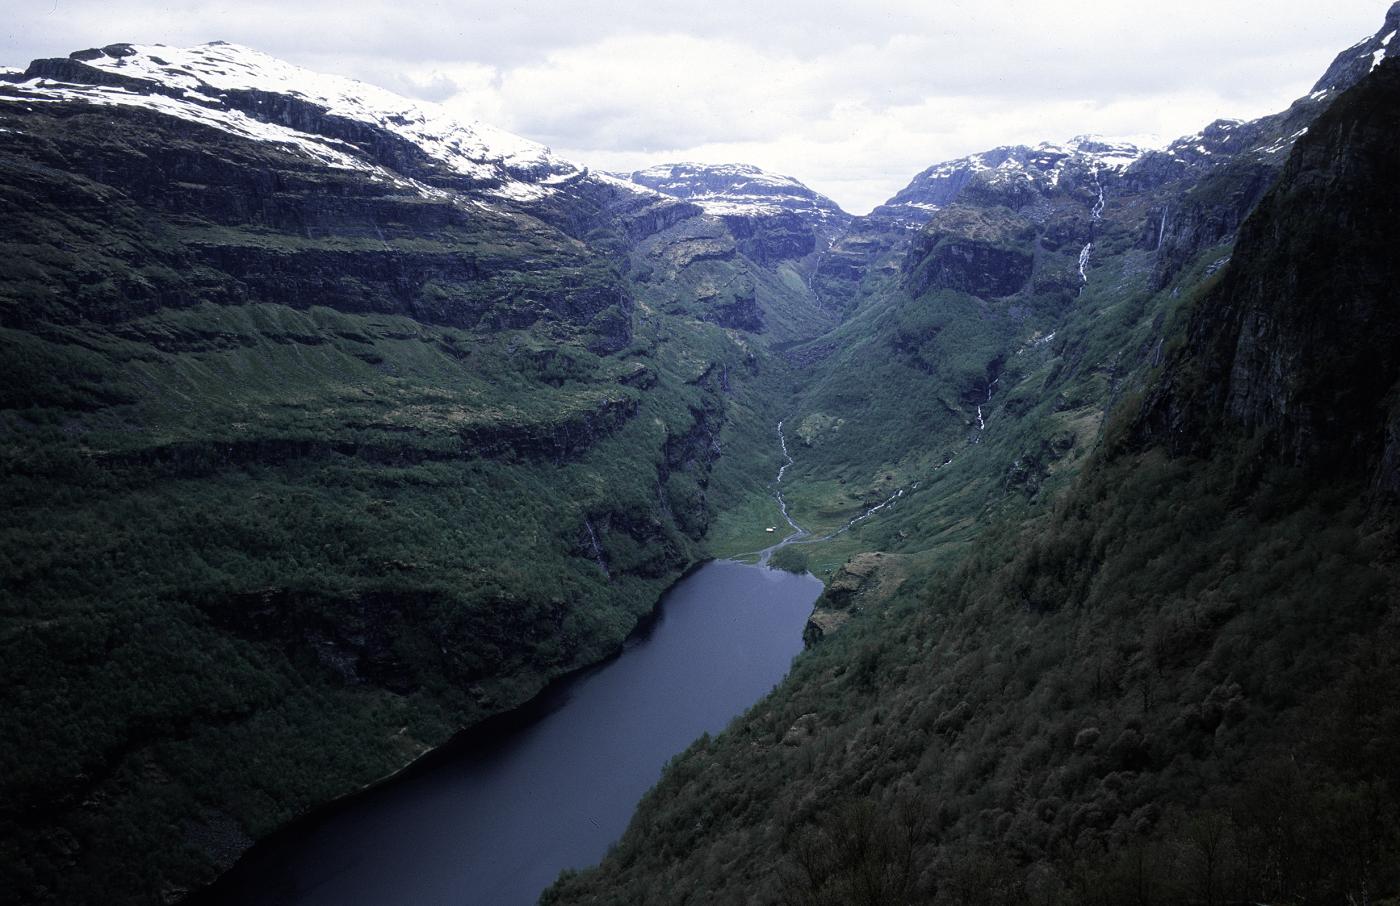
977	366
1004	171
1310	371
775	221
1226	166
1176	685
339	121
1352	64
997	308
1010	176
775	217
330	426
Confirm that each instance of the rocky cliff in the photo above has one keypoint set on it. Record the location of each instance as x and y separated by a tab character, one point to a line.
774	218
1298	341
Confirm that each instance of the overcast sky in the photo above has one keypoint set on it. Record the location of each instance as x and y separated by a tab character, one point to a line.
853	98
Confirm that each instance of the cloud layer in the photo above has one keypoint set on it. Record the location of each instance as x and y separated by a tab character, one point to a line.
851	98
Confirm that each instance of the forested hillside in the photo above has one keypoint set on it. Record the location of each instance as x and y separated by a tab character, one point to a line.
1174	683
331	425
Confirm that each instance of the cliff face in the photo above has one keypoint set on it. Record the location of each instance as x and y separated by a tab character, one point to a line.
774	218
983	251
1194	193
242	221
1299	341
1057	267
1354	63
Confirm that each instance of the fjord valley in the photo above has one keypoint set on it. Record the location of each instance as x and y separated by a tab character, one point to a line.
334	425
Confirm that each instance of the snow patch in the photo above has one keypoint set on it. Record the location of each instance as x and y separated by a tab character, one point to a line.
735	190
233	67
1282	144
196	83
327	151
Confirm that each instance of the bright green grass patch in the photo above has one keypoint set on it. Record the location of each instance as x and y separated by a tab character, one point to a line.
743	528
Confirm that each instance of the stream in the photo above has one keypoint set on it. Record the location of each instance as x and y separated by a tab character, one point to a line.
801	535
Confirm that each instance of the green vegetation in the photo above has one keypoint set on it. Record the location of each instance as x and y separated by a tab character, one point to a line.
287	506
742	530
791	559
1082	706
1168	678
305	471
330	540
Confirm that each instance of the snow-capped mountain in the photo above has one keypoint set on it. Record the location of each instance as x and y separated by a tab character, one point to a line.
1092	172
738	189
1245	154
773	217
1005	170
338	121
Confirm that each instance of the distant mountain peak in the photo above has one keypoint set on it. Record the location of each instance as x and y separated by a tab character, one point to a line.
1040	167
737	190
773	217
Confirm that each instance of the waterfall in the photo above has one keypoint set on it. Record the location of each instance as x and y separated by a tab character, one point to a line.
597	548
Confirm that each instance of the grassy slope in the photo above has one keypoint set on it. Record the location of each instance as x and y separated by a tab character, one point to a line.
298	483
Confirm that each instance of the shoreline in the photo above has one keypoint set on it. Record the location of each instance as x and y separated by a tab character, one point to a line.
510	719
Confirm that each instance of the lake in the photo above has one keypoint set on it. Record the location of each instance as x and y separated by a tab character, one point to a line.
492	817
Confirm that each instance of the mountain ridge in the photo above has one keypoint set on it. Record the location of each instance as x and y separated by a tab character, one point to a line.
775	217
382	349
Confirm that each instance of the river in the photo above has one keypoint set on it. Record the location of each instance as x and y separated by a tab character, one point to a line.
493	817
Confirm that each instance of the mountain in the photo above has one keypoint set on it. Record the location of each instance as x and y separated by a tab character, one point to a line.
1354	63
1003	171
1308	370
740	190
333	425
1130	634
776	221
326	417
1228	157
775	217
340	122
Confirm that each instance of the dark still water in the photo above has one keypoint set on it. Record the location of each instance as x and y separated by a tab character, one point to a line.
495	816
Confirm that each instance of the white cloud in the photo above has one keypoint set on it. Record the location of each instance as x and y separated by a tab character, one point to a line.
851	98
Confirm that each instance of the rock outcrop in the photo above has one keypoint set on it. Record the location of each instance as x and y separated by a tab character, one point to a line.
986	252
866	581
